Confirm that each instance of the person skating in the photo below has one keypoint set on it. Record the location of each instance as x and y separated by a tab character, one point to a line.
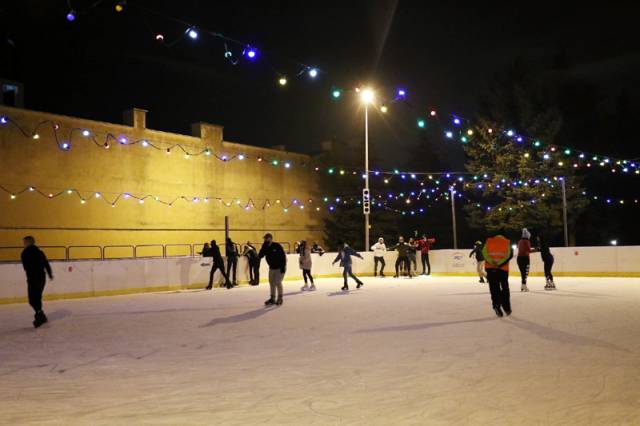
232	260
277	261
36	267
304	261
523	259
425	245
254	263
477	251
413	248
547	260
317	249
379	249
218	264
205	250
497	253
402	262
345	254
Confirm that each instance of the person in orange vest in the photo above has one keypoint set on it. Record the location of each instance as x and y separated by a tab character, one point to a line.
497	253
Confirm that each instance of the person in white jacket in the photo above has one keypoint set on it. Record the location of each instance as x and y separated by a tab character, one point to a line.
379	249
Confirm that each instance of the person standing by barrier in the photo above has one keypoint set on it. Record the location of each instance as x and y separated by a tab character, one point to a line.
304	261
277	260
477	251
317	248
425	245
413	248
36	267
218	263
345	254
402	262
379	249
497	253
254	263
232	260
523	259
547	260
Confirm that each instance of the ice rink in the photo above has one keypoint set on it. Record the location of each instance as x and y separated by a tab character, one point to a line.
427	351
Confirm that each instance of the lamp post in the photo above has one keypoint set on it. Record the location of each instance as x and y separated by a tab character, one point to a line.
367	96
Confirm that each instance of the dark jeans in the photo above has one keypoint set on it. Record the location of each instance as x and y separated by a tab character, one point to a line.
254	271
214	268
232	266
426	265
376	260
402	262
413	260
307	273
523	265
499	287
347	271
548	265
35	287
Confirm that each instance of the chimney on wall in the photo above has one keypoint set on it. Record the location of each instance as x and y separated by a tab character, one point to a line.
136	118
211	134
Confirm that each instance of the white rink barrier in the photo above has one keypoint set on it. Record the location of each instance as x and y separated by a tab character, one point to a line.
110	277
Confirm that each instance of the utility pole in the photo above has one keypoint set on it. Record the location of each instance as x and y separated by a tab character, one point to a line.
453	217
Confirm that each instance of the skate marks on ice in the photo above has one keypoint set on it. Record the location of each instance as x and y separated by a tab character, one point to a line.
558	336
423	326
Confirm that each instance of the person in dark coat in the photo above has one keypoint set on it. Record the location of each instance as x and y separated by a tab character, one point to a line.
317	248
547	260
254	263
218	263
477	251
402	262
37	267
277	260
232	260
344	256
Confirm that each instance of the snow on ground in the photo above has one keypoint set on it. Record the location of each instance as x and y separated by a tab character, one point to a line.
427	351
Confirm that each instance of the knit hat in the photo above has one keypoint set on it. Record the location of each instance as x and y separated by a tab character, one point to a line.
525	233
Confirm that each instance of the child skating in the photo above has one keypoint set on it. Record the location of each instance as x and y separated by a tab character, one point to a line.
344	256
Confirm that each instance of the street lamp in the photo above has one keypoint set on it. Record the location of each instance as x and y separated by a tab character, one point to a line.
367	96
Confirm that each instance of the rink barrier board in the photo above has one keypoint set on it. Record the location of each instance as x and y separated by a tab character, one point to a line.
94	278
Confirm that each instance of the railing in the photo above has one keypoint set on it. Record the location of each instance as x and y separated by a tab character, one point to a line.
125	251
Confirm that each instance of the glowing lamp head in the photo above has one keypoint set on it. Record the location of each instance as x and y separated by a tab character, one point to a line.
614	242
119	6
71	15
240	156
282	81
287	165
384	109
421	123
336	93
4	120
250	52
145	143
448	134
367	96
456	121
65	146
159	38
192	33
433	113
402	93
86	133
313	72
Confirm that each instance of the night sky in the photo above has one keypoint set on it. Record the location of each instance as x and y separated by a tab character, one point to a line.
443	53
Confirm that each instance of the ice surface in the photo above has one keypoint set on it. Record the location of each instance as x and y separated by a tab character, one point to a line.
427	351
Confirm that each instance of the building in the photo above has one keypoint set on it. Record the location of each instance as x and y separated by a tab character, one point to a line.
73	182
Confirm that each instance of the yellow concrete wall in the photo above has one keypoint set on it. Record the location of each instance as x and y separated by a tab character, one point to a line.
65	221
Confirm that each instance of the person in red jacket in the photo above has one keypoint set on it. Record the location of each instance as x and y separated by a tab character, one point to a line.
425	244
523	260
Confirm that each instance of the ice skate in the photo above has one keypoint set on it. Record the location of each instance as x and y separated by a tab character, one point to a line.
208	287
547	286
270	302
382	275
481	280
305	287
359	285
40	318
498	311
524	288
345	288
313	287
279	301
229	286
508	313
552	285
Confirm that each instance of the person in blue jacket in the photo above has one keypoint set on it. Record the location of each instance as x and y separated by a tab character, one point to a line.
344	256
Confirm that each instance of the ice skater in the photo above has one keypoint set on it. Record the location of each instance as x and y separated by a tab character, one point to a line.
254	263
304	261
425	245
277	260
344	256
379	249
218	264
36	267
547	260
497	253
523	259
477	251
232	260
317	249
413	248
402	262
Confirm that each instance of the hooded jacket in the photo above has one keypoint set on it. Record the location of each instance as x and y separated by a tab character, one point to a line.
379	249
